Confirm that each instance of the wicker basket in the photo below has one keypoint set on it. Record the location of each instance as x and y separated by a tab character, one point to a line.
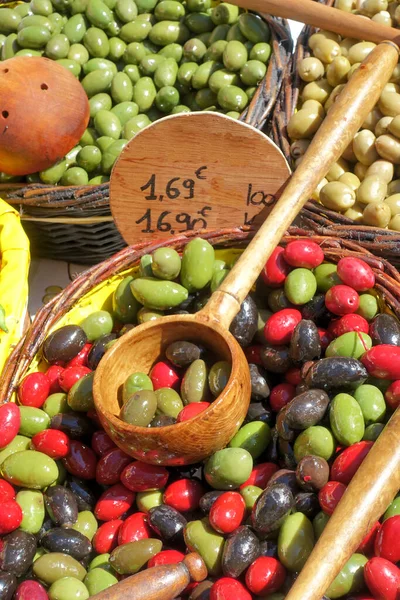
14	267
321	221
75	223
93	289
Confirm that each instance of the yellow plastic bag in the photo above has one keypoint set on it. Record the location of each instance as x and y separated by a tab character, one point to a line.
14	267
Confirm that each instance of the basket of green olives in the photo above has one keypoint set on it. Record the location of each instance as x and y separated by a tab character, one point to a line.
321	334
138	61
360	194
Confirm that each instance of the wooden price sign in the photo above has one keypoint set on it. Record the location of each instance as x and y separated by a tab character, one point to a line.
193	171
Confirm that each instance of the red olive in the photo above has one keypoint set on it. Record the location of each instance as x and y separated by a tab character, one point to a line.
10	421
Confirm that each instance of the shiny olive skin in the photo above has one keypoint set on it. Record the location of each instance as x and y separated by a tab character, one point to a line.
241	548
74	424
208	499
8	585
312	473
259	384
271	508
306	409
168	523
257	411
67	541
61	505
64	343
305	343
385	329
17	552
245	324
307	503
336	372
287	477
182	354
83	493
276	358
98	350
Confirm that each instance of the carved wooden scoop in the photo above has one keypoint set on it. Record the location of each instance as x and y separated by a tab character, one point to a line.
197	438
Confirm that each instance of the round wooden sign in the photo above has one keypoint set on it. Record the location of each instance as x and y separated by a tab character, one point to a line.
193	171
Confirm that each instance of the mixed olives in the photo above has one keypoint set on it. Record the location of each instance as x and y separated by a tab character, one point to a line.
138	61
364	183
78	514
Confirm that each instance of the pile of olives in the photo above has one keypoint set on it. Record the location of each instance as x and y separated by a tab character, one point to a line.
138	61
78	514
364	184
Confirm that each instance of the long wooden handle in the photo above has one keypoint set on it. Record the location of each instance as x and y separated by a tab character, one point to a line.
367	497
344	119
324	17
158	583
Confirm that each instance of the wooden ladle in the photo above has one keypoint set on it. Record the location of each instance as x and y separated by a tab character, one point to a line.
192	441
44	111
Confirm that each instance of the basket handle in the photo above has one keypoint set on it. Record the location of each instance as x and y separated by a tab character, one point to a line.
342	122
324	17
158	583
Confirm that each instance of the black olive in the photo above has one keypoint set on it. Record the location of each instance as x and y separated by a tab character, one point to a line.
64	343
61	505
312	473
245	324
305	343
208	499
308	504
276	358
259	385
67	541
75	425
272	507
98	350
168	523
241	548
385	329
339	372
17	552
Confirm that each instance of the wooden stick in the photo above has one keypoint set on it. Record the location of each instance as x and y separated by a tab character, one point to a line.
158	583
337	130
367	497
324	17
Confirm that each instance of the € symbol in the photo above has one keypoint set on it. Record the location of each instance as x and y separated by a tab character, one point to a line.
198	173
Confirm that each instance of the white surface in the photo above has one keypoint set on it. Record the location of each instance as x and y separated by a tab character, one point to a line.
56	275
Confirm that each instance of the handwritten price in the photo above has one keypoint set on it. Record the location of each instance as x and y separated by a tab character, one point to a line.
173	188
162	223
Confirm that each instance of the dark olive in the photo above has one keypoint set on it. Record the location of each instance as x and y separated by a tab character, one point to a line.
259	385
162	421
182	354
335	372
307	503
98	350
64	343
282	427
259	412
208	499
83	493
306	409
245	324
46	526
385	329
271	453
276	358
8	585
286	476
272	507
312	473
67	541
301	388
286	454
127	327
305	343
277	300
241	548
61	505
202	591
269	548
75	425
315	310
17	552
168	523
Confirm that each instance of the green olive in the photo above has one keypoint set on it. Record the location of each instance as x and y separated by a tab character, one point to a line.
364	147
337	196
372	189
382	169
377	214
388	147
310	69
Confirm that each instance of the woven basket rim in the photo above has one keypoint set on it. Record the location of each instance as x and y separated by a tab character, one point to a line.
387	284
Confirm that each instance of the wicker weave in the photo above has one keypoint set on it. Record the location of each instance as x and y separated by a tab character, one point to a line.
74	223
387	285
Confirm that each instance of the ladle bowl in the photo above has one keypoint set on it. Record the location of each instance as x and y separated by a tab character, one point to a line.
190	441
199	437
